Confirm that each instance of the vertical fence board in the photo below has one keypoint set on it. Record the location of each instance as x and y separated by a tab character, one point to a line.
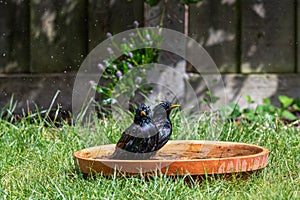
14	36
168	14
112	16
268	36
58	35
212	23
173	17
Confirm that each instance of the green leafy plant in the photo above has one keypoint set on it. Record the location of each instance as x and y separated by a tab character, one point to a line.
288	106
289	109
114	69
209	98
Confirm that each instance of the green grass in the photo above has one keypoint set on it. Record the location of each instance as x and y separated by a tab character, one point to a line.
36	161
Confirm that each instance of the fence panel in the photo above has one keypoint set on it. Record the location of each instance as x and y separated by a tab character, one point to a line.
58	35
14	36
174	15
112	16
268	37
213	23
174	19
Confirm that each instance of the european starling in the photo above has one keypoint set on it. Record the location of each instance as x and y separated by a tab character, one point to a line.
140	140
161	119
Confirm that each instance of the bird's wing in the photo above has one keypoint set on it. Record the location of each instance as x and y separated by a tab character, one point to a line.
124	141
164	135
159	117
163	124
135	134
127	137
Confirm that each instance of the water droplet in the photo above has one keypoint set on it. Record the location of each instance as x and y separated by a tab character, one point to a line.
3	54
52	57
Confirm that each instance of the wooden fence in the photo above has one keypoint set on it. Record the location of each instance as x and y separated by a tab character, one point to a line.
43	42
249	35
242	36
55	35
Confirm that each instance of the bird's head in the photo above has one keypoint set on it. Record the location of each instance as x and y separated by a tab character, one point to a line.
168	106
142	115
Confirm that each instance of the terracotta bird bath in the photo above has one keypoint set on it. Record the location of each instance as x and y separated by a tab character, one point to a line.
178	157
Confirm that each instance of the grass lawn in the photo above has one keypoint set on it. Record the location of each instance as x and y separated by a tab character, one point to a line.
36	161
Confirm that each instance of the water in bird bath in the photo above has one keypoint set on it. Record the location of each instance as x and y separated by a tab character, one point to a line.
188	151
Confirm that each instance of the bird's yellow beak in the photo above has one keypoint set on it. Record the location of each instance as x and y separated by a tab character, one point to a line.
143	113
174	106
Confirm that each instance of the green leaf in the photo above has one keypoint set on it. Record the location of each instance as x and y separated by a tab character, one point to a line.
288	115
111	86
106	91
267	101
285	101
272	109
203	100
208	92
234	106
214	99
250	116
96	88
248	99
235	110
225	111
296	107
261	109
248	110
297	101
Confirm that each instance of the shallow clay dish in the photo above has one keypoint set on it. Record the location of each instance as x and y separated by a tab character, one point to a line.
178	157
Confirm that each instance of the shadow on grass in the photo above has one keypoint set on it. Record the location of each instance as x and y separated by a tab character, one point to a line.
190	180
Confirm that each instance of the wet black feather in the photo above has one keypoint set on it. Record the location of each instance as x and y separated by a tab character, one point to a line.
139	141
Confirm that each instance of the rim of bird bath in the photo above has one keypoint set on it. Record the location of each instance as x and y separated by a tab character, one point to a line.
178	157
